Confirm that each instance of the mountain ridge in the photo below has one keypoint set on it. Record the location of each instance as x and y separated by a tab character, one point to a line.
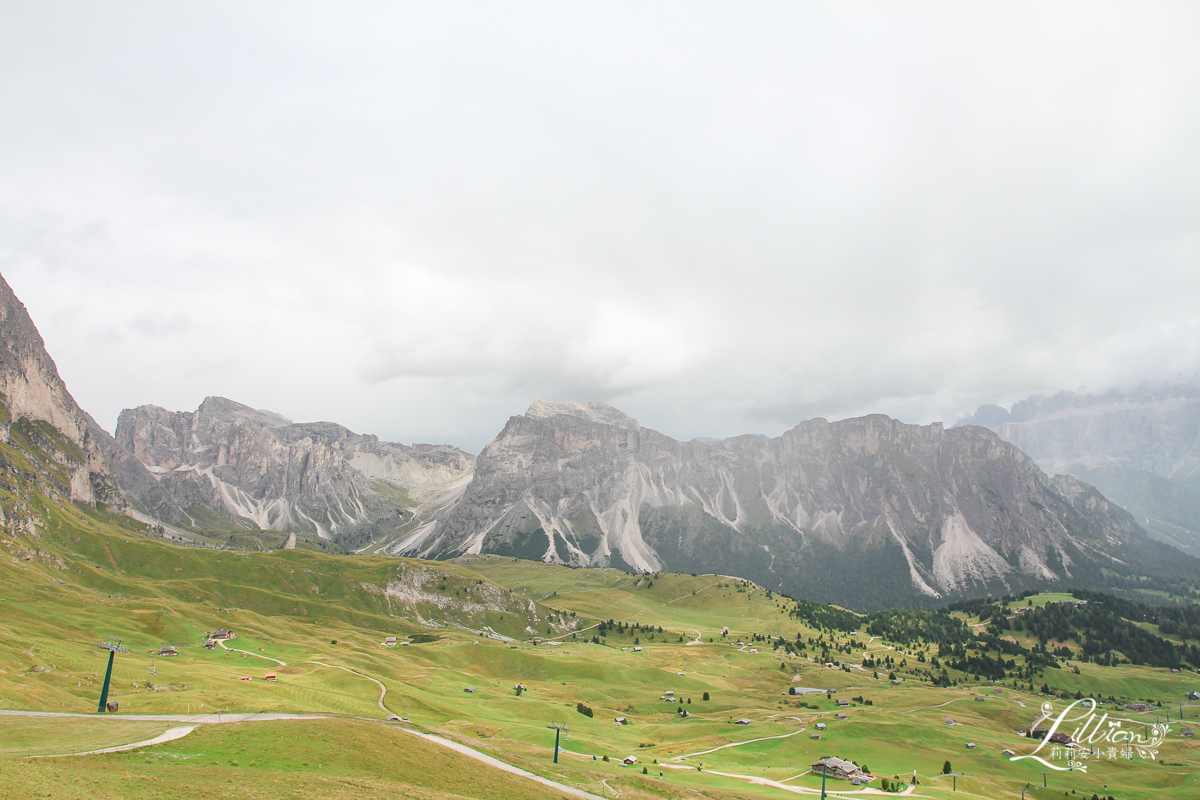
927	511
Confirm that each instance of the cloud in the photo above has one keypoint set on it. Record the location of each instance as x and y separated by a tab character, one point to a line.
417	220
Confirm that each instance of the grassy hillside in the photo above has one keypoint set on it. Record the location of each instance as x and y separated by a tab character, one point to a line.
71	577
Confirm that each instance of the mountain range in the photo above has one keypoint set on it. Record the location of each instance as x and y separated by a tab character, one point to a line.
867	512
1140	448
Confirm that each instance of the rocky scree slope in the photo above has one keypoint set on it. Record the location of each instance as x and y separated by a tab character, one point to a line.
256	469
49	439
866	512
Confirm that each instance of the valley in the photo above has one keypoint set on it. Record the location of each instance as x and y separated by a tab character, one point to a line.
603	640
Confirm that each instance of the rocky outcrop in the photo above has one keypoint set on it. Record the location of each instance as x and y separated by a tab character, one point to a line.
258	469
867	512
35	399
1153	429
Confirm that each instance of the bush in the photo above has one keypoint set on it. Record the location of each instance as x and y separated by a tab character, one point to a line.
705	696
582	709
946	768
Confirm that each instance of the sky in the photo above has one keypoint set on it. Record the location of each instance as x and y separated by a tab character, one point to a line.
415	219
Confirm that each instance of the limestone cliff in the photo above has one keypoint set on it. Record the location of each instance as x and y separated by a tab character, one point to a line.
38	409
865	511
256	468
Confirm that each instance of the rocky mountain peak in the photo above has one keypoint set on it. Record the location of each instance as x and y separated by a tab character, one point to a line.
598	413
33	390
861	511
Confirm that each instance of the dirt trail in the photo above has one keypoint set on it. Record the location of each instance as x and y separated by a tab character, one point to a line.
382	688
247	652
486	759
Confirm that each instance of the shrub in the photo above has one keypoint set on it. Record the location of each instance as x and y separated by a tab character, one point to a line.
582	709
705	696
946	768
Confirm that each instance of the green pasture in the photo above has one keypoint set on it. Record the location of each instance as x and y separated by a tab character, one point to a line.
89	576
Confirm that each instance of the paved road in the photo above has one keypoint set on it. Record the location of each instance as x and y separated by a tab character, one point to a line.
202	719
170	735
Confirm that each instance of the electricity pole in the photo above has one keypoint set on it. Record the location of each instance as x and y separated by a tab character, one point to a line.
113	647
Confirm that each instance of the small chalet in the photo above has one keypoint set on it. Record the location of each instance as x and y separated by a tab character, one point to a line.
815	736
997	691
390	641
1193	695
1008	752
820	726
245	678
1060	738
1139	707
620	721
843	703
628	761
839	768
224	633
168	651
896	681
637	649
980	699
840	716
1188	733
471	689
1038	733
970	745
742	721
270	676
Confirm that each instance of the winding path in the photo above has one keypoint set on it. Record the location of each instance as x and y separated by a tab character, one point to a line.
739	744
382	688
247	652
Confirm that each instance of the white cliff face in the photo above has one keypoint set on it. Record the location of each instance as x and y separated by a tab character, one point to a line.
33	390
256	467
943	511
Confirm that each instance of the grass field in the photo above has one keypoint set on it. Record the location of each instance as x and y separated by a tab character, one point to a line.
489	623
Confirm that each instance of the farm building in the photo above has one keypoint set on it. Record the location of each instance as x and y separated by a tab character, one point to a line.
620	721
1060	738
270	676
820	726
245	678
1007	752
834	767
1188	733
896	682
471	689
224	633
742	721
843	703
628	761
1139	707
840	716
815	736
637	649
1193	695
168	651
980	699
390	641
970	745
1038	733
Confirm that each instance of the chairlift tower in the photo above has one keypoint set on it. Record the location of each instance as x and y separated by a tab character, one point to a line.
113	646
559	729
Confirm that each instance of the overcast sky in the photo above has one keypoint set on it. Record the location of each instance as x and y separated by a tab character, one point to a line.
416	219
